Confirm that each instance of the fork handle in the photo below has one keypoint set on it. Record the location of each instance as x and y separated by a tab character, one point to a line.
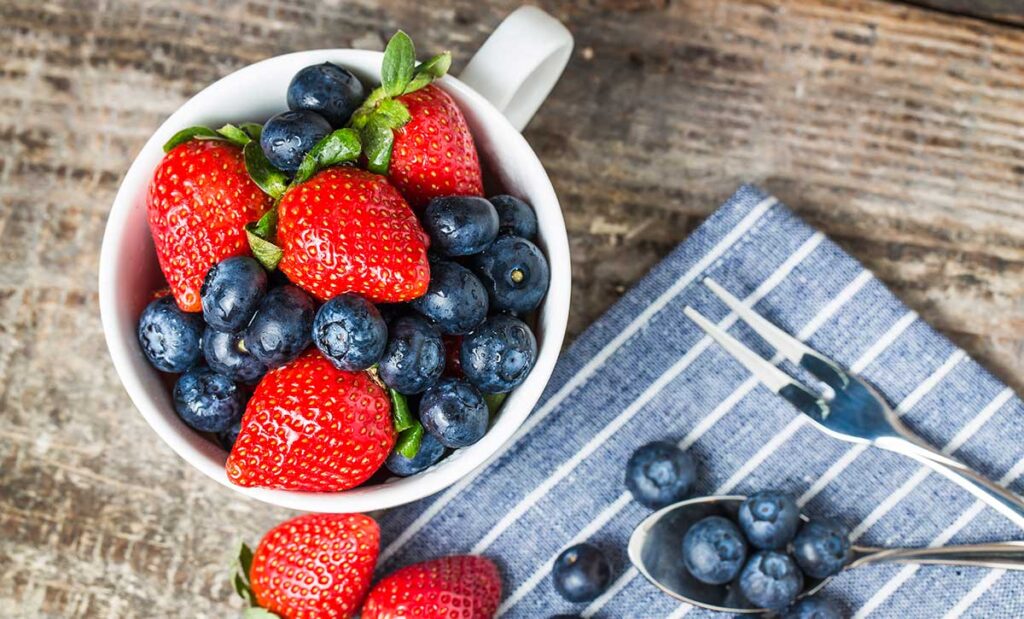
994	495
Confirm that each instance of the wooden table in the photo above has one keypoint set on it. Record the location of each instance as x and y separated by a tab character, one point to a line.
898	130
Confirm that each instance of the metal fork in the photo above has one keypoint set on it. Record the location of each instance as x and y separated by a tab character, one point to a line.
848	407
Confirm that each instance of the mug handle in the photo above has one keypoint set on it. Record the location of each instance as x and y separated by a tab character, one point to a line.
519	64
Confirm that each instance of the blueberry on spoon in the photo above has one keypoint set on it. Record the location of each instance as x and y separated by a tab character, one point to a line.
714	550
769	519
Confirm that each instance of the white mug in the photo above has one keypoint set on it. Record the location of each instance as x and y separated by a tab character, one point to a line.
500	90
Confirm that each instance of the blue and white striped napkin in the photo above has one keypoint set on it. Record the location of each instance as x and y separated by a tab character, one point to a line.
644	372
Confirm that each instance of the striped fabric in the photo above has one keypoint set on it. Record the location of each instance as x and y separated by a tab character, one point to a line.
643	372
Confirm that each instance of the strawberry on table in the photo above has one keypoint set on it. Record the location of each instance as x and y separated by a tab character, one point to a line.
198	202
312	427
414	132
463	587
310	567
349	230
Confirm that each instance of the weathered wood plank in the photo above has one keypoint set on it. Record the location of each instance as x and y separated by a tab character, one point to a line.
898	131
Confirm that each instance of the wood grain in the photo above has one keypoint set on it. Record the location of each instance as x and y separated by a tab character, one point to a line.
899	131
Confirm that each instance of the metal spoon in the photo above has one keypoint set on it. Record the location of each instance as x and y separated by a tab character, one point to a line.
656	549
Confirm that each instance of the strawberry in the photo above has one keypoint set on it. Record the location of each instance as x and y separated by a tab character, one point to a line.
460	587
311	567
433	154
198	203
312	427
414	132
348	230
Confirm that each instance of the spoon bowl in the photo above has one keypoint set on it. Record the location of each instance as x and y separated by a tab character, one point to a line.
656	550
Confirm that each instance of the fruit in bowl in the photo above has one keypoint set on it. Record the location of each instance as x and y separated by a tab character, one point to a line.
319	268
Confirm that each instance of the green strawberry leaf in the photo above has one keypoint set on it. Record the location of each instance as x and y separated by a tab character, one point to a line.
494	401
242	567
245	559
191	133
408	443
254	130
400	413
272	181
256	612
377	142
399	64
429	71
243	590
260	235
391	113
338	147
266	253
234	135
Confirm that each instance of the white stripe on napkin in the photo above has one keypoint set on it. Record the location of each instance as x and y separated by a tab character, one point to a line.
587	370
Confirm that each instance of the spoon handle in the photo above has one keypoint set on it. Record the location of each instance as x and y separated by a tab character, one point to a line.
1001	555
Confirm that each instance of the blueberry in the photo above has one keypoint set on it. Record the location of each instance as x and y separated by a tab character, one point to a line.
208	401
769	519
455	300
231	291
350	332
288	136
814	608
499	354
170	338
659	474
454	412
822	548
771	580
460	225
515	273
714	550
226	353
515	217
414	358
430	452
280	330
228	437
581	573
328	90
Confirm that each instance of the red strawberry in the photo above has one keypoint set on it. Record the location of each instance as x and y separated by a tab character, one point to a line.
433	154
198	202
414	132
315	566
348	230
462	587
312	427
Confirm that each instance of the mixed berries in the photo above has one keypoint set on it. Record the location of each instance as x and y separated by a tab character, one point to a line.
322	565
343	297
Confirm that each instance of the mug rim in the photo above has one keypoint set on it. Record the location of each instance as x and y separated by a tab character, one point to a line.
393	492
